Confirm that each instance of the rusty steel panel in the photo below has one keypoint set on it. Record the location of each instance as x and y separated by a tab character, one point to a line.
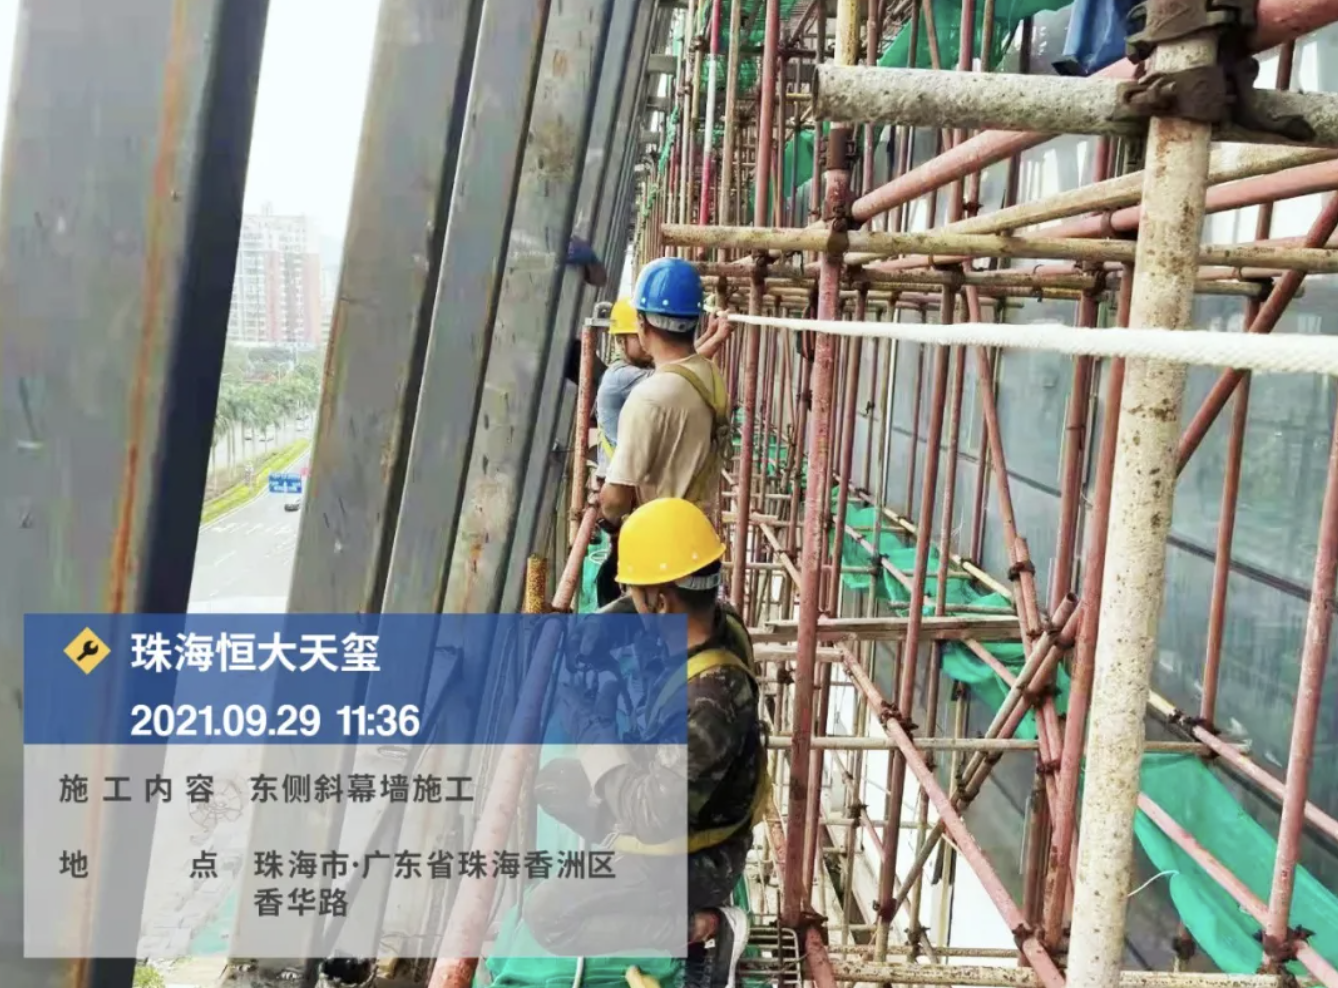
125	155
522	331
405	171
629	29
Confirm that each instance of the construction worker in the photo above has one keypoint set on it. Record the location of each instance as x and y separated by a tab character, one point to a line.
633	366
670	565
679	425
674	428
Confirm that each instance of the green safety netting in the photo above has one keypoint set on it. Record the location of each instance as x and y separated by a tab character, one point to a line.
1008	14
754	34
587	600
777	456
1189	791
536	970
797	163
959	662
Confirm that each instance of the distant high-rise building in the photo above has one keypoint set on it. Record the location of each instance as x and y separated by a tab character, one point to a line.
276	292
329	289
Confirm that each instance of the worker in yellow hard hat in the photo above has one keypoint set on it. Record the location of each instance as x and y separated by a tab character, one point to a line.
670	564
632	366
676	428
676	425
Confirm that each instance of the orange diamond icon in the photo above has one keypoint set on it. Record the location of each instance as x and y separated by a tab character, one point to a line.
87	650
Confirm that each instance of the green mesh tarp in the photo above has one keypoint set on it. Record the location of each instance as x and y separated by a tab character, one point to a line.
754	34
1193	796
959	661
797	163
588	601
1008	14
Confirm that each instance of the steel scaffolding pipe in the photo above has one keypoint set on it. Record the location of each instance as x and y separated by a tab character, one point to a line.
1175	184
1021	977
1278	21
959	245
794	899
1118	210
782	742
1040	104
1283	169
1040	960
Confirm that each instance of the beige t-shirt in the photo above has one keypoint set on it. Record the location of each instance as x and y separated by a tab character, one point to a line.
664	436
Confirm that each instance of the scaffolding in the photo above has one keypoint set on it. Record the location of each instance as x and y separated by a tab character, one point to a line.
885	566
871	289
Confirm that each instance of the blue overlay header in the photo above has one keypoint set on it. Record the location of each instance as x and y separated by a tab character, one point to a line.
382	680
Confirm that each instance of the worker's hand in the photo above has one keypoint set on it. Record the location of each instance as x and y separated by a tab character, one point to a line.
581	717
589	646
721	325
581	255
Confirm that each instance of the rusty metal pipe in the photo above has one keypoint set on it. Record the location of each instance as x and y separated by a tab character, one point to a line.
1321	969
1270	312
794	898
1309	691
1279	21
1080	689
585	400
952	822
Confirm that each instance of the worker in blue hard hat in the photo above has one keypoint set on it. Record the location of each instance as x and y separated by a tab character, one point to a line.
674	427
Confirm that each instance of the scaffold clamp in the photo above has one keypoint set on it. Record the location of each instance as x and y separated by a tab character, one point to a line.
1162	21
1212	94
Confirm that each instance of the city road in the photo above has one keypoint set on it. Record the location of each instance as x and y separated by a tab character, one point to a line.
245	557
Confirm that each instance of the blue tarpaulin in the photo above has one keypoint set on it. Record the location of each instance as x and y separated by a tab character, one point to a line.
1096	35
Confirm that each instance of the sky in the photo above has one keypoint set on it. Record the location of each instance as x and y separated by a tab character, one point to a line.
313	87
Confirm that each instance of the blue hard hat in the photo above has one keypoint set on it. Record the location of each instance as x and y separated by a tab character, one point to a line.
671	287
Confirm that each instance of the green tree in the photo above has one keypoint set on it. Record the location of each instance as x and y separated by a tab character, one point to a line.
148	977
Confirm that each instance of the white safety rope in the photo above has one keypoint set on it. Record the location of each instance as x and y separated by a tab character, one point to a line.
1289	353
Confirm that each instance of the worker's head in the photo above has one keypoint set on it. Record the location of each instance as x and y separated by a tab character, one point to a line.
622	327
668	301
669	558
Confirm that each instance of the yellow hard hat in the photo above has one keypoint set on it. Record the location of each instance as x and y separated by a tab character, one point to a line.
622	320
664	541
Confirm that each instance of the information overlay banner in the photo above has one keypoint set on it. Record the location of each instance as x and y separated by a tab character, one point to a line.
276	786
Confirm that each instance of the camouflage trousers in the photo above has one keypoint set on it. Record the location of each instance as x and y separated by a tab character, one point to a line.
559	915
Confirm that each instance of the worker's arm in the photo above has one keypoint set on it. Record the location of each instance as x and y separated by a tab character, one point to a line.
646	801
616	501
719	332
581	255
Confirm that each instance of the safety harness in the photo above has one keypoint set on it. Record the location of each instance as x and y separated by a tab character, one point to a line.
699	664
717	400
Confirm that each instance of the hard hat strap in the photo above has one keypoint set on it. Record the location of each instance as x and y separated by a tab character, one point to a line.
707	581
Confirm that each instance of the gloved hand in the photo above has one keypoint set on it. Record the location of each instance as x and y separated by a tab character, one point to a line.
581	255
583	717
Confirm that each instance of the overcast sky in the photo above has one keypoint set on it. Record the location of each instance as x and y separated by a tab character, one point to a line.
313	85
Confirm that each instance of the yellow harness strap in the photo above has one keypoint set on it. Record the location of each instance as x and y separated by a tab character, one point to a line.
717	400
605	445
702	662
